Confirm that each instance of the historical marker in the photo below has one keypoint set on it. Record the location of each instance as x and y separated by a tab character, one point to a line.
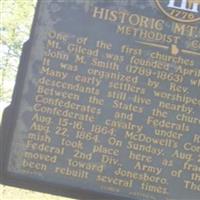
106	103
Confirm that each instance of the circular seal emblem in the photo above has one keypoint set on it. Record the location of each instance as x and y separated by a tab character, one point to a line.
180	10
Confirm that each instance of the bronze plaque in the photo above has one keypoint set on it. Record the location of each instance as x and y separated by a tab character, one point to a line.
106	103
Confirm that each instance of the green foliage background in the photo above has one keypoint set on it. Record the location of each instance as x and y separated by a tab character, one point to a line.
15	22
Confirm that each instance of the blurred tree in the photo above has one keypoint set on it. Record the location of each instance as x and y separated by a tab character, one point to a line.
15	23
